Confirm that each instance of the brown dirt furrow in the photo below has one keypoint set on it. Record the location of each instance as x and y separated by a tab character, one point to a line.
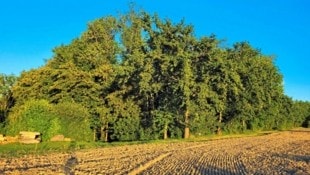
148	164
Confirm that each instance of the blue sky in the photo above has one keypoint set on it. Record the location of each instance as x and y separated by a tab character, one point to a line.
29	30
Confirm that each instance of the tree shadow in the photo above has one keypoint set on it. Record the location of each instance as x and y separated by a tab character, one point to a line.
300	130
295	158
210	170
25	168
304	158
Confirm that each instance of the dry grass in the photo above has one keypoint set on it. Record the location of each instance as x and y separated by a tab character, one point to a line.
276	153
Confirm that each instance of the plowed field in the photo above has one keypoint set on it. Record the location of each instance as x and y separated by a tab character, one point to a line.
278	153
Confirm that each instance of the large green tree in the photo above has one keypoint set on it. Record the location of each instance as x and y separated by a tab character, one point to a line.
258	104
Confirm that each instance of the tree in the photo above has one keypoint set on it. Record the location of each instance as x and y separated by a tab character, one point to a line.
162	120
6	96
120	118
81	72
176	44
205	120
225	83
300	113
33	84
259	103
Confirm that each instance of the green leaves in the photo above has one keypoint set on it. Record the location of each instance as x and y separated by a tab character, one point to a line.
69	119
137	76
36	116
74	120
6	96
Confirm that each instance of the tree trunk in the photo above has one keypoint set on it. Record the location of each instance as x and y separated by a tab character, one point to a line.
243	125
104	133
166	131
186	119
219	129
94	136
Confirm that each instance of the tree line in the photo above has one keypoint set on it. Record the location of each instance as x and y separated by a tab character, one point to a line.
138	77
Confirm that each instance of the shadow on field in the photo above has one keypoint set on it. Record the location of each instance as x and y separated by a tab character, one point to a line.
300	130
298	158
213	170
306	131
304	158
25	168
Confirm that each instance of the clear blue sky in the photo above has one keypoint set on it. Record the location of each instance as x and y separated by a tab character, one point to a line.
29	30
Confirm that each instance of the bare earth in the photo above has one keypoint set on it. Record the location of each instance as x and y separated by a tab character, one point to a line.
278	153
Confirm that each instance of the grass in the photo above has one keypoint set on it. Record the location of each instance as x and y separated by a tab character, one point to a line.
19	149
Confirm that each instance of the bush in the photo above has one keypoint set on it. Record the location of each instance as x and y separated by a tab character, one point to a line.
202	125
126	129
233	127
69	119
176	132
147	134
75	121
34	115
306	123
2	128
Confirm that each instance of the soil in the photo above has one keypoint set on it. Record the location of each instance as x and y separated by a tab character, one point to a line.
277	153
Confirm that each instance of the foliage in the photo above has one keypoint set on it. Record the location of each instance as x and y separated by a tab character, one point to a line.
124	118
34	115
74	120
6	96
69	119
137	76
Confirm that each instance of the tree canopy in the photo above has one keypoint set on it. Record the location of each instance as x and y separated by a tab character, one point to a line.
137	76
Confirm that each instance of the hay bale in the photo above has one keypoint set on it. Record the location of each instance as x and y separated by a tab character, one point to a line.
29	137
58	138
2	138
10	139
67	139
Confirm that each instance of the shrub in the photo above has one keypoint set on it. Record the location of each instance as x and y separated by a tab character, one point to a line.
75	121
34	115
126	129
